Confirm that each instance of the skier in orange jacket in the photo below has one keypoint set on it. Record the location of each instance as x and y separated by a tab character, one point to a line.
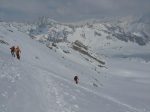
18	51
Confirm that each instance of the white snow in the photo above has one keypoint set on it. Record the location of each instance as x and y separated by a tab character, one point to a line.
42	81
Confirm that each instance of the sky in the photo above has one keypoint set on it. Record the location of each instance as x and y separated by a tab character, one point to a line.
70	10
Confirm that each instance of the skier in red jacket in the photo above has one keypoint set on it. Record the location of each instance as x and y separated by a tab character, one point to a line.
76	79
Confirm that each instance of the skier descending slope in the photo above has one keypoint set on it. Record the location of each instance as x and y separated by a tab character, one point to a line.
76	79
12	51
18	51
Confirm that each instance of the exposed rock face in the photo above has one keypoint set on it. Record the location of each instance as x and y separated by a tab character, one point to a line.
78	46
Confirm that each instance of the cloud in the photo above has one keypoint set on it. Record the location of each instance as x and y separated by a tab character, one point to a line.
70	10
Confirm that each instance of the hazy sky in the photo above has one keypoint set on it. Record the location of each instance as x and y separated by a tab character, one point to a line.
71	10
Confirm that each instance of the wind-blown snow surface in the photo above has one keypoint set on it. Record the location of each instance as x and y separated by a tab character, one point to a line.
42	81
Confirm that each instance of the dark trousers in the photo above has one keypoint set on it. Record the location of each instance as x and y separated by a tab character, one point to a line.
76	81
18	56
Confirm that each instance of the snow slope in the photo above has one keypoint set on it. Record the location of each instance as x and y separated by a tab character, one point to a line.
42	81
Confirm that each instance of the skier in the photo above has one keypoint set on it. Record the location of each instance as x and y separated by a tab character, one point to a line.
12	51
18	51
76	79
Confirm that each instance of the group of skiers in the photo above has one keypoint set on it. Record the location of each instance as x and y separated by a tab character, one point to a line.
16	51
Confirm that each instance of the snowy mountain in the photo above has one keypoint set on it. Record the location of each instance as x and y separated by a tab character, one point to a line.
124	29
42	81
116	36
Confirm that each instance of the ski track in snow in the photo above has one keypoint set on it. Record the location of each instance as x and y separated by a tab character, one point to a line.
56	91
59	98
9	76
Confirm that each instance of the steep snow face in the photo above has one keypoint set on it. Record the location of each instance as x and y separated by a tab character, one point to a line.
42	81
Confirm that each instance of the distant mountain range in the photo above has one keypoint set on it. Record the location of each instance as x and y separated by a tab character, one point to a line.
127	29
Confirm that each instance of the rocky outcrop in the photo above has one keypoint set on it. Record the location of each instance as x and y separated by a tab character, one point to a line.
80	47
